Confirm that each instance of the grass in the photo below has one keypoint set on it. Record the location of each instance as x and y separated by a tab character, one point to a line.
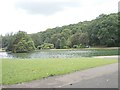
24	70
91	48
0	71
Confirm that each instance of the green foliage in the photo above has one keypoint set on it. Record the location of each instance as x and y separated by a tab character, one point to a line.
37	38
102	31
75	46
55	37
0	41
63	43
118	29
66	33
7	41
66	47
21	46
22	43
0	71
79	46
46	46
47	40
57	44
79	38
18	43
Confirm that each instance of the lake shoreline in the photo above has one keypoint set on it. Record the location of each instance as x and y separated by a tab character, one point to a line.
112	56
62	53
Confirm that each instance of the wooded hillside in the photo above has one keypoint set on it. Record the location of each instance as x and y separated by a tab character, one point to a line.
102	31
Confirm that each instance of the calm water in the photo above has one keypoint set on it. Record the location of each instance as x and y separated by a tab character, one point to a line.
60	53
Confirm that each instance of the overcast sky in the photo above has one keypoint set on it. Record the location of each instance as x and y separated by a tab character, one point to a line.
34	16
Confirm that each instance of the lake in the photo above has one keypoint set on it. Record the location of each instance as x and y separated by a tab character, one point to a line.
61	53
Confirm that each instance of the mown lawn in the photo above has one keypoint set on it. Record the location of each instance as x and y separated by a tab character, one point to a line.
0	71
24	70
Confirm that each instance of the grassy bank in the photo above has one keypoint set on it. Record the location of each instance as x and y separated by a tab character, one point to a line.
0	71
91	48
23	70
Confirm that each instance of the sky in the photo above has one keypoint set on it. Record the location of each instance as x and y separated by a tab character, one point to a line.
34	16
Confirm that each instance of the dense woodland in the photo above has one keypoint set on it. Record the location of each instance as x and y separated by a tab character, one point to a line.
102	31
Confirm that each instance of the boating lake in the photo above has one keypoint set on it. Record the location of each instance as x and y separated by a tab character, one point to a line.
61	53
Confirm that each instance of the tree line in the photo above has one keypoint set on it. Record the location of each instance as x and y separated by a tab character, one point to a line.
102	31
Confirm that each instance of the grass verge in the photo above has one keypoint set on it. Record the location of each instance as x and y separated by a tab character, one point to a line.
24	70
0	71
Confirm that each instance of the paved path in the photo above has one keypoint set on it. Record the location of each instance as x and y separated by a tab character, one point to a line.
102	72
104	81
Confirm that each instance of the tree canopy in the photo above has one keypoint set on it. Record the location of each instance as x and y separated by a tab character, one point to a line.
102	31
19	43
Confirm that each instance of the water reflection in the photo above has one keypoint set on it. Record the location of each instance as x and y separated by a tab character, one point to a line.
59	54
5	55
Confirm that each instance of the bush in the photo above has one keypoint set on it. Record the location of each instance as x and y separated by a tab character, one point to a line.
81	46
75	46
65	47
46	46
39	47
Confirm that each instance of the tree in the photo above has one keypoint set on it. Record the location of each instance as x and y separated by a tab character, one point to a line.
47	40
79	38
84	39
66	33
55	37
22	43
0	41
102	31
57	45
118	34
7	41
63	42
37	39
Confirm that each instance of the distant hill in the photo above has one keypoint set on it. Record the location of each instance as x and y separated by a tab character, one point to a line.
102	31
